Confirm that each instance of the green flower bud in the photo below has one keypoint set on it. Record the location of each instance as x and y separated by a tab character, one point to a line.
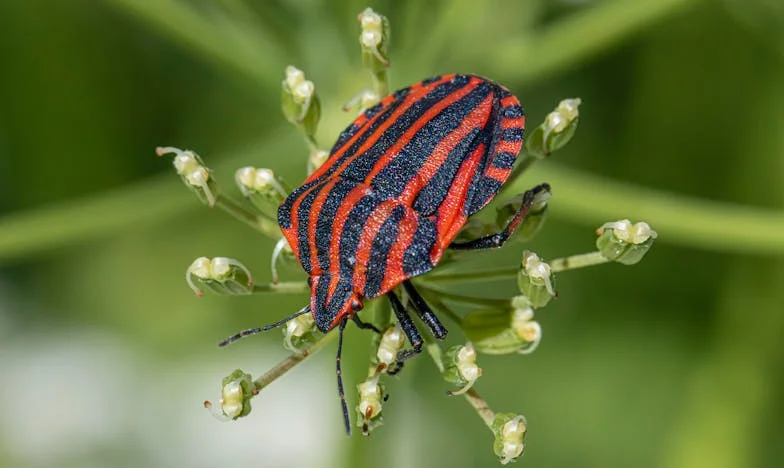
374	40
371	398
236	391
262	187
300	332
193	173
495	331
460	367
533	220
391	344
624	242
220	274
556	131
317	159
509	430
300	103
535	280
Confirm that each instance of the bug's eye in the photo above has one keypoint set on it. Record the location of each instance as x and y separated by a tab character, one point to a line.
356	305
310	281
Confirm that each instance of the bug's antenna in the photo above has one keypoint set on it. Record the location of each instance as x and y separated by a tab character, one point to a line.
346	419
253	331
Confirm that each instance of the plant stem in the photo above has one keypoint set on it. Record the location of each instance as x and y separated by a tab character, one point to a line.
480	405
381	83
472	397
486	275
486	301
290	287
260	223
693	222
574	262
292	360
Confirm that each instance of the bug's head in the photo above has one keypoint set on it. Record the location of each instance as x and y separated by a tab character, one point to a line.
331	299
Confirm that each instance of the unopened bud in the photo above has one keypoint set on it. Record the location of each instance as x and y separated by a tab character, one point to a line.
509	430
460	367
300	102
504	331
374	40
236	391
300	332
220	274
193	173
624	242
556	131
262	187
535	280
392	341
371	398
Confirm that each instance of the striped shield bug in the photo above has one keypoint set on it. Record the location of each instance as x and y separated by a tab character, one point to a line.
399	184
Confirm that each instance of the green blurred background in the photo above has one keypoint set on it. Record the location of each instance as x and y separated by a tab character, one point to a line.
106	355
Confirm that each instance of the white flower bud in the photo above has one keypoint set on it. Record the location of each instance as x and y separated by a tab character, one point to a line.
192	171
391	343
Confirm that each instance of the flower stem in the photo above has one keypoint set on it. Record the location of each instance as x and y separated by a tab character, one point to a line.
472	397
292	360
381	83
574	262
487	301
290	287
486	275
264	225
480	405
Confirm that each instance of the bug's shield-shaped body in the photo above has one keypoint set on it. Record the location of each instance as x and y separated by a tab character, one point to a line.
399	184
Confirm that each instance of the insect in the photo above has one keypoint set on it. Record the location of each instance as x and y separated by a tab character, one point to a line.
398	185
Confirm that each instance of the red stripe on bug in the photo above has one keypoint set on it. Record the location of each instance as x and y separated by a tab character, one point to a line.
369	231
517	122
451	215
348	204
315	209
394	274
406	137
292	233
509	100
372	139
476	119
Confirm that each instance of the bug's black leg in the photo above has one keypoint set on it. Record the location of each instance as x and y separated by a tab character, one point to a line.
408	328
253	331
364	325
339	372
498	239
425	312
395	368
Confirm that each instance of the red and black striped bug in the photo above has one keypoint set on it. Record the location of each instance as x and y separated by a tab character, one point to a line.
399	184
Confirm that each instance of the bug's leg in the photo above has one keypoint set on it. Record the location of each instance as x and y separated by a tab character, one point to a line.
425	312
407	324
253	331
339	372
395	368
498	239
364	325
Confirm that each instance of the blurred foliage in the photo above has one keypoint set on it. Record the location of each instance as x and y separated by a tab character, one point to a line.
674	363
